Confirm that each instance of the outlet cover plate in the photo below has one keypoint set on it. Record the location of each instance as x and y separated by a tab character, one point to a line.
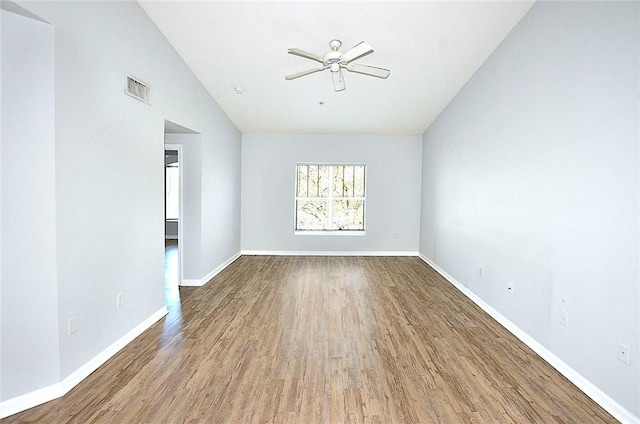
73	325
564	318
623	353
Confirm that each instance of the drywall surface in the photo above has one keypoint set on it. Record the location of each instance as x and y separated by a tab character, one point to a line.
392	191
531	173
109	190
29	308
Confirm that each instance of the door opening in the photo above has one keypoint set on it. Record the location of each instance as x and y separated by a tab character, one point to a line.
172	225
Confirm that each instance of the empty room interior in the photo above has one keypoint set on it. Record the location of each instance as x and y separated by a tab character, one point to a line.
320	211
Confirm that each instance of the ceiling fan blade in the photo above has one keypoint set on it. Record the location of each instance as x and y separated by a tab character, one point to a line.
356	52
338	81
302	53
303	73
368	70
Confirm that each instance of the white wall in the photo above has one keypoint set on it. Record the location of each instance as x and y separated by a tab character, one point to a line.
392	190
29	308
109	190
532	174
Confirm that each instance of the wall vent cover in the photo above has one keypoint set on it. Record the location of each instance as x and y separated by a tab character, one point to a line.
138	89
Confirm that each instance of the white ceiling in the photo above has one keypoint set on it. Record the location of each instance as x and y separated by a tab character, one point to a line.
431	47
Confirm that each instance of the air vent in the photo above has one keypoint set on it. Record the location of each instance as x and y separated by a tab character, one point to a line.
138	89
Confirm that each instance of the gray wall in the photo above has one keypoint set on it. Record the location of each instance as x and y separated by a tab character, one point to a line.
28	282
268	190
110	219
532	174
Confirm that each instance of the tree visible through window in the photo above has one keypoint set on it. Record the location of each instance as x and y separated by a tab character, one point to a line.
330	197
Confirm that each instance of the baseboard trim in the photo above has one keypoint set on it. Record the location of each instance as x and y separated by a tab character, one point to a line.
29	400
54	391
204	280
83	372
323	253
606	402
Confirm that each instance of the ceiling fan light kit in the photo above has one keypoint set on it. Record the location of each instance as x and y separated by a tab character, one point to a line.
336	61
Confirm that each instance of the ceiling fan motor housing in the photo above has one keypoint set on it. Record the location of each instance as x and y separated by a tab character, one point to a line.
335	60
332	57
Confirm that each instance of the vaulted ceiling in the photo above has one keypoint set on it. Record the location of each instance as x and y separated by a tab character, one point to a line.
431	47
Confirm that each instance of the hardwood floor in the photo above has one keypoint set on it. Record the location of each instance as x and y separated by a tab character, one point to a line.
171	275
323	340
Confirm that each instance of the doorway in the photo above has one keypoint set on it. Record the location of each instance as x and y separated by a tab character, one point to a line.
172	225
182	194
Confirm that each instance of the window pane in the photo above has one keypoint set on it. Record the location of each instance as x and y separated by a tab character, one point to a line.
313	181
173	192
348	214
358	178
338	183
348	181
302	180
312	189
312	214
323	181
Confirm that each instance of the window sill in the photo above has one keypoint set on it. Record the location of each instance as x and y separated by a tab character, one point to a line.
330	233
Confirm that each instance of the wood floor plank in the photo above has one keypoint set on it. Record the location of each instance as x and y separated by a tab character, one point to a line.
323	340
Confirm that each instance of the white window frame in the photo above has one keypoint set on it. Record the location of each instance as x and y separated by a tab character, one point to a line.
329	199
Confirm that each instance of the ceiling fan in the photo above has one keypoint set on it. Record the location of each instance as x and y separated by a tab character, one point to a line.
335	61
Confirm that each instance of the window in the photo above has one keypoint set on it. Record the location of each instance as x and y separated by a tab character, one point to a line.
330	197
172	195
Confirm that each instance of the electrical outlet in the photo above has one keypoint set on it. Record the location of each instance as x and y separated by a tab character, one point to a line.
480	272
623	353
395	235
73	325
510	287
119	299
564	318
